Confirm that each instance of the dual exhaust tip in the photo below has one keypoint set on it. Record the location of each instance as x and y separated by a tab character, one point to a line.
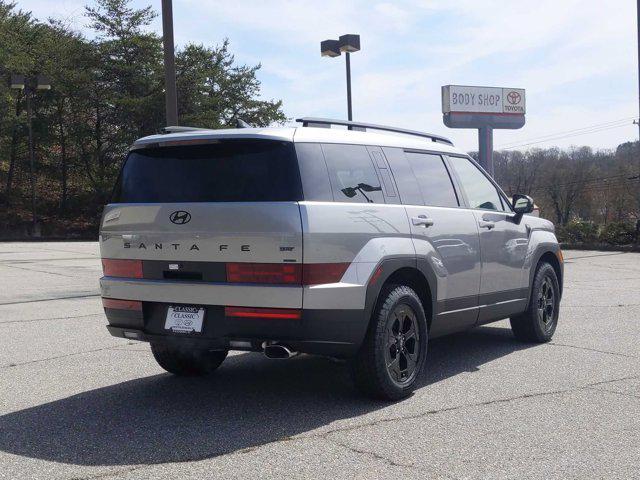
277	351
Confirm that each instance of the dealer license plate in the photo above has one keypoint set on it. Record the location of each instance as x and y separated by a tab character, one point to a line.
182	319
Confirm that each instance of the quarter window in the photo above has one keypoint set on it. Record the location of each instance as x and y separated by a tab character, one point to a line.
481	193
352	175
313	172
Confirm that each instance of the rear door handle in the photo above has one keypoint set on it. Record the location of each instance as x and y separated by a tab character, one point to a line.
422	220
487	225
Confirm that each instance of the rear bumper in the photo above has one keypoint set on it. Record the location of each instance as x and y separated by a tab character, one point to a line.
198	293
337	333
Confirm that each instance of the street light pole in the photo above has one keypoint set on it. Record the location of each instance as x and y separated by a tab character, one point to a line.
171	98
333	48
349	108
30	86
32	161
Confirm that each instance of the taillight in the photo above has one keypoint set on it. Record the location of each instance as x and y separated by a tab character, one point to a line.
317	273
116	304
122	268
285	273
268	313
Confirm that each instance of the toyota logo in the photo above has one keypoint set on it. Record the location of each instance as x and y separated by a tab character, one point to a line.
180	217
513	97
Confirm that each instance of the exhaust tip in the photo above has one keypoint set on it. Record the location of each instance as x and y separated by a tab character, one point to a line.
278	352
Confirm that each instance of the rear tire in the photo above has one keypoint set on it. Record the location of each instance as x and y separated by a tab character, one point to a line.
187	362
393	353
538	323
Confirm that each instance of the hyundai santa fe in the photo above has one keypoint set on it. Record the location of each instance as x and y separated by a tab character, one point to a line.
359	243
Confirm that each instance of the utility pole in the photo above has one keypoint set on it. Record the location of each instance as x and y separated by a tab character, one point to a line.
171	98
638	121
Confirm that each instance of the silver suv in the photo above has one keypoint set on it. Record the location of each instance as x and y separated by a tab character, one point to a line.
347	242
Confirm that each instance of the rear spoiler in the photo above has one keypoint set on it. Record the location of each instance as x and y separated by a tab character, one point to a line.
181	129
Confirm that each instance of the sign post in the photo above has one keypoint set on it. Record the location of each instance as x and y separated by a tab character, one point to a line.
484	108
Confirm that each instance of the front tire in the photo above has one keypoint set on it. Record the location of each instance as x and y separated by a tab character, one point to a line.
393	353
187	362
538	323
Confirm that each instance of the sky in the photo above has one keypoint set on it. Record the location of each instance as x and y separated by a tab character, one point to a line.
577	59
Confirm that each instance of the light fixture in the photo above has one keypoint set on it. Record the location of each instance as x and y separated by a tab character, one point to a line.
330	48
17	82
349	43
43	83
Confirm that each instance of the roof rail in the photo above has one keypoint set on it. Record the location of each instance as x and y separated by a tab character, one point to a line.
179	129
327	122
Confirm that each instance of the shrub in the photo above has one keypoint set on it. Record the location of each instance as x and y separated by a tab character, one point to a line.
578	231
617	233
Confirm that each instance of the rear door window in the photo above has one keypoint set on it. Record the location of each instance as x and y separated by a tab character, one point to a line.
404	177
352	175
228	171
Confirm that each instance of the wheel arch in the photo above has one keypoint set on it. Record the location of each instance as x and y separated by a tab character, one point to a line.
401	272
548	255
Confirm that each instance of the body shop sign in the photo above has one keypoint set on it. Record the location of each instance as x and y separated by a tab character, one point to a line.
491	100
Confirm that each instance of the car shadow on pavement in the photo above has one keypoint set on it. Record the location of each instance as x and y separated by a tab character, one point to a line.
249	401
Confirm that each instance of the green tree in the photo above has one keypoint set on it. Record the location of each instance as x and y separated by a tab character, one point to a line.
213	91
126	94
106	92
18	32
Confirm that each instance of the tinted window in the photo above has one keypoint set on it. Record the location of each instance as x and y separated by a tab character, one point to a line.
480	191
404	177
313	172
230	171
351	172
433	179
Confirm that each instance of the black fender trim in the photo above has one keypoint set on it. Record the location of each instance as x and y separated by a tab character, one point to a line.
381	275
541	250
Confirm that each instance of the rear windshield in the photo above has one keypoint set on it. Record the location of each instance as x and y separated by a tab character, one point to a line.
229	171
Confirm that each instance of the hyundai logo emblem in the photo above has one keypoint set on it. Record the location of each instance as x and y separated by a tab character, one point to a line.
180	217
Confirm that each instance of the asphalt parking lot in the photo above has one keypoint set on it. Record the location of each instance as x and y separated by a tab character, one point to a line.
77	403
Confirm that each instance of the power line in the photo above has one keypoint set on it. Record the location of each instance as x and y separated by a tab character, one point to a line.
586	188
562	137
621	121
569	133
592	184
604	124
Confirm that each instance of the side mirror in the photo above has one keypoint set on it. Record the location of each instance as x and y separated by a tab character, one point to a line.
522	204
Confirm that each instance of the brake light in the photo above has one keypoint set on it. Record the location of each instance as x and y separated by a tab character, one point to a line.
317	273
122	268
268	313
285	273
132	305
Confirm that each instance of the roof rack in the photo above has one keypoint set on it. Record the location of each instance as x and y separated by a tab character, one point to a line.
180	129
363	127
